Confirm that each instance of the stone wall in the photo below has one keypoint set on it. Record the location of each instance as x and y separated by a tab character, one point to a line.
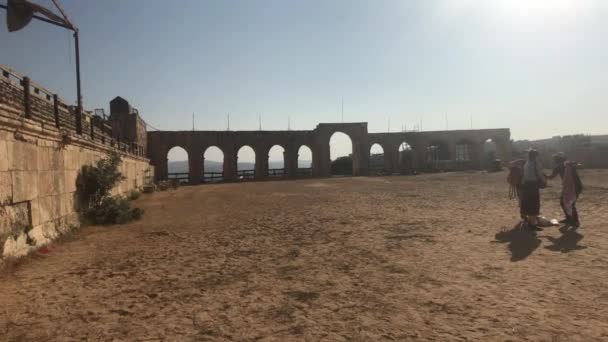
580	148
318	140
39	166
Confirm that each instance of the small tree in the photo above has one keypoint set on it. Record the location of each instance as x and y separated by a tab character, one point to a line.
95	185
97	181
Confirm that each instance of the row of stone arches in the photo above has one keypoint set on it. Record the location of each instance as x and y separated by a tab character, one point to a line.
379	159
340	144
435	156
214	163
333	149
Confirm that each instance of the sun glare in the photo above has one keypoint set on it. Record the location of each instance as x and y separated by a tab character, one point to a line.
540	7
525	12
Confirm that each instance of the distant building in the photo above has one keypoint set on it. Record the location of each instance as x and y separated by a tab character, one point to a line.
127	126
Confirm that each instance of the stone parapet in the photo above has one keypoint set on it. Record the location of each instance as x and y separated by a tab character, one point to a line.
39	167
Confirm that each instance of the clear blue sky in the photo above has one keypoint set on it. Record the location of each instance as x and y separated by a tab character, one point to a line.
535	66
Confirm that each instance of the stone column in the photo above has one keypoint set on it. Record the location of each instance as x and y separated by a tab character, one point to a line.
291	162
322	164
230	165
261	164
451	164
203	168
419	158
480	155
391	159
159	159
162	169
360	159
475	152
195	161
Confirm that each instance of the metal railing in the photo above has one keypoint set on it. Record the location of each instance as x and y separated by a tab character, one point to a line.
245	174
305	172
213	177
181	177
276	173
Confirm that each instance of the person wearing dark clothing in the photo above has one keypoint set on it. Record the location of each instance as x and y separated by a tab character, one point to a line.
533	180
572	187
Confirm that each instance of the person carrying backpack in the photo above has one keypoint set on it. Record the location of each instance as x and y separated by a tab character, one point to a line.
515	180
572	187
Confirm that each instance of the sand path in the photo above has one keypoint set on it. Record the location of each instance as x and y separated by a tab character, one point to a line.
349	259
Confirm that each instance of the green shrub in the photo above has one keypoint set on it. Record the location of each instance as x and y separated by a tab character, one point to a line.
133	195
113	210
137	213
94	186
96	182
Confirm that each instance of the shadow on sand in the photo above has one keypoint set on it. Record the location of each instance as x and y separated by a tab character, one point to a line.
521	242
567	242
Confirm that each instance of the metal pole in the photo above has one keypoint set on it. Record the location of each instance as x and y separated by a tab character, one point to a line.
78	92
56	110
27	102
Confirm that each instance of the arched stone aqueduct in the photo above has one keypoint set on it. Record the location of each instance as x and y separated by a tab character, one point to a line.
196	142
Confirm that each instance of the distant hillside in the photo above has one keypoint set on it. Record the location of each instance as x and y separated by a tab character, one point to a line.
599	139
214	166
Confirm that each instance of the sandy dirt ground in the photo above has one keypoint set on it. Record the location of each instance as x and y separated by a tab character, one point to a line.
430	257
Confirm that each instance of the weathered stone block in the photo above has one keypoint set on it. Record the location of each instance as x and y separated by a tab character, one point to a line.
25	185
6	188
86	157
71	158
22	156
3	156
6	136
34	212
50	183
70	179
44	233
50	159
13	219
67	204
50	208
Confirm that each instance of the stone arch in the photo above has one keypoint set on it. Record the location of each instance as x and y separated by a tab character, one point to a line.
246	162
377	159
357	133
305	161
342	160
489	153
437	153
464	150
407	157
214	164
492	146
177	168
466	154
276	161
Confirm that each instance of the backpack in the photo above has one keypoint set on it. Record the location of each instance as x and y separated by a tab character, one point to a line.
515	177
578	184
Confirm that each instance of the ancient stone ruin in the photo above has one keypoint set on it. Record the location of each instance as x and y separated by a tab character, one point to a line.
450	150
44	145
41	155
